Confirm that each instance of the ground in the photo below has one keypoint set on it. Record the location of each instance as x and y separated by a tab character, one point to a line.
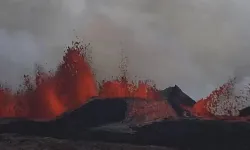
16	142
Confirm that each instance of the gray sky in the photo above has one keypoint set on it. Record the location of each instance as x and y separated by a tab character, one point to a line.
196	44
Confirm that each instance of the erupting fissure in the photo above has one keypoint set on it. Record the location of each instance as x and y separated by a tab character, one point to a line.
220	104
73	84
70	86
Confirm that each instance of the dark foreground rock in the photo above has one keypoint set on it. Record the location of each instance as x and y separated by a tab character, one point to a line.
18	142
184	134
110	121
181	134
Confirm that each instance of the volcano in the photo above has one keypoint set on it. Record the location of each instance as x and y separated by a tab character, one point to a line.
70	104
73	84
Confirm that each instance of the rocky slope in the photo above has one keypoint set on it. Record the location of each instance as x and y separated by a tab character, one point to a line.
178	100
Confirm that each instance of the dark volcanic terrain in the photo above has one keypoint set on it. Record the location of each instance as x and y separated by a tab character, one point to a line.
177	98
17	142
109	121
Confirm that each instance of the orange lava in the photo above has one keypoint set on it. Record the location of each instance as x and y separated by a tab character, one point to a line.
73	83
123	88
201	109
70	86
207	107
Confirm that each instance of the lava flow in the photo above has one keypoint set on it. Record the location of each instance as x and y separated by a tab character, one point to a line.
70	86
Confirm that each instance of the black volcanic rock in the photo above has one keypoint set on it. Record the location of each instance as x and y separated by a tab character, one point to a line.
100	112
19	142
177	98
90	121
97	112
245	112
180	134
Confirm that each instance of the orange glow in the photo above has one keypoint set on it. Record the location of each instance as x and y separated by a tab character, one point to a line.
69	87
73	83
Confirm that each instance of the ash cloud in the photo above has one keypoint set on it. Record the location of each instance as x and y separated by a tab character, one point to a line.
196	44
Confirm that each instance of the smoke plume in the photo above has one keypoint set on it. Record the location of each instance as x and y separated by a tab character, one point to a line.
196	44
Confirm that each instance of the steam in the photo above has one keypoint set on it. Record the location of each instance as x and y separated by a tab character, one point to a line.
196	44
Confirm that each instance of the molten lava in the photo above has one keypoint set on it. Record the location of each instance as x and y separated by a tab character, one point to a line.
211	106
122	88
69	87
73	83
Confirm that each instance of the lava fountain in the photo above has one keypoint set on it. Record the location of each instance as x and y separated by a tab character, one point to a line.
70	86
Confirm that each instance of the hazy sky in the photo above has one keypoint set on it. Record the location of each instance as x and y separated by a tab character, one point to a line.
196	44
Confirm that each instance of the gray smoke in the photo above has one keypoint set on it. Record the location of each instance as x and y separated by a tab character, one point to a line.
196	44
